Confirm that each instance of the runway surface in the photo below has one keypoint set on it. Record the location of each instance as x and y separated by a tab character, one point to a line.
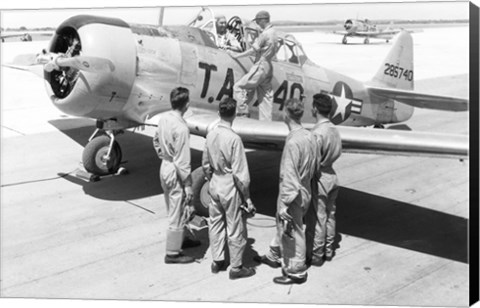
402	221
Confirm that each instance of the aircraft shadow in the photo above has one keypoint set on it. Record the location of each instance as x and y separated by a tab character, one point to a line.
359	214
402	225
399	127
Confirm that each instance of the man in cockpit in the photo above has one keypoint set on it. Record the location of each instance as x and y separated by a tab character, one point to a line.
225	39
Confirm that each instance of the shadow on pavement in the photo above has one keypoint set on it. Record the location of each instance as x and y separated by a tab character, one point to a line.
359	214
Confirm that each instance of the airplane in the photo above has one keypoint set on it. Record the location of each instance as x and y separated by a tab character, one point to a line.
24	36
121	75
366	29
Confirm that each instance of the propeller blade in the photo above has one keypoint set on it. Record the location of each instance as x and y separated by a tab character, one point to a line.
25	60
86	63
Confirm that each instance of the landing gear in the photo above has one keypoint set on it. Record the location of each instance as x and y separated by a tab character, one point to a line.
201	197
344	40
381	126
102	155
366	41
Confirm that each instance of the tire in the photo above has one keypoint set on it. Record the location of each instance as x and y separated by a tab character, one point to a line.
366	41
344	40
93	156
201	197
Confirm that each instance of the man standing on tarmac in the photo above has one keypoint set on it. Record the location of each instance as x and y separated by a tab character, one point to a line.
325	184
172	144
225	165
296	172
260	75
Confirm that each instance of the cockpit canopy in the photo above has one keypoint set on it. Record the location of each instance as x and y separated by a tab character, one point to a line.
290	50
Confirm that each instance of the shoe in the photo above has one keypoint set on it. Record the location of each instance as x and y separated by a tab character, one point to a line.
189	243
218	266
289	280
242	273
329	256
317	261
178	259
265	260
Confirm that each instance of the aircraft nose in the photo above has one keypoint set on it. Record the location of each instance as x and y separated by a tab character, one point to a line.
95	71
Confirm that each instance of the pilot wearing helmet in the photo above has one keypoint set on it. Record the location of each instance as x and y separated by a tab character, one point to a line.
260	76
225	39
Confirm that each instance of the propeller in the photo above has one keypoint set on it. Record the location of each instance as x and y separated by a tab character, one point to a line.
83	63
53	61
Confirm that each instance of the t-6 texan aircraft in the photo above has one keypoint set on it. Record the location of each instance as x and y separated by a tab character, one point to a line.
364	28
122	74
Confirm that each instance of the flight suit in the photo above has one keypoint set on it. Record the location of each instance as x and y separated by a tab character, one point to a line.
259	77
225	160
325	188
172	144
296	172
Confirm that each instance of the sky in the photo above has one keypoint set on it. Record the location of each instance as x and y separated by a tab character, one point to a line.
51	13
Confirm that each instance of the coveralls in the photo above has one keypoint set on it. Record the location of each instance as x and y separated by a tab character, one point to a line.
172	144
225	160
260	76
325	188
296	172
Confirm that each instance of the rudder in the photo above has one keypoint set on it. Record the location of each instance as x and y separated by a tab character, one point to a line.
396	70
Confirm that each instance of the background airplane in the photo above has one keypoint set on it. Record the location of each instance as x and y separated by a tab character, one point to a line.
368	30
121	75
25	36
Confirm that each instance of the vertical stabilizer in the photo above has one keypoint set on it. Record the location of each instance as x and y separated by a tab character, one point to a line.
396	71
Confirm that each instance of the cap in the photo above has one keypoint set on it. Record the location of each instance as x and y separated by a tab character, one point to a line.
262	15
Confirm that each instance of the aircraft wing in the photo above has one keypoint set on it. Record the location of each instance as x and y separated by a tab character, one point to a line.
421	100
271	136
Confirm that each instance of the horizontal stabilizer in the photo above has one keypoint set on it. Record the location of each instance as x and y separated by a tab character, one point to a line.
271	136
420	100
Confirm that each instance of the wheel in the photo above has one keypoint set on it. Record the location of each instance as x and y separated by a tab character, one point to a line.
94	156
201	197
344	40
366	41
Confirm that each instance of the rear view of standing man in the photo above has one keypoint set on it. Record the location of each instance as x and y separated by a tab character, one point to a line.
225	164
172	144
296	172
260	75
325	190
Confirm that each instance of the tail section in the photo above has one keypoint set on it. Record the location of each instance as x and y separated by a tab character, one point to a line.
396	70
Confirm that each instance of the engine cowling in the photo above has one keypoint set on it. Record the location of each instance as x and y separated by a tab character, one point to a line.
99	95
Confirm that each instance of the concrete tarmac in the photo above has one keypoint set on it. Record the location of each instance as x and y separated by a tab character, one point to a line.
402	221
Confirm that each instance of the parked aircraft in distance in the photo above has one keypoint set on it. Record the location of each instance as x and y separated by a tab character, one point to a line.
366	29
25	36
122	74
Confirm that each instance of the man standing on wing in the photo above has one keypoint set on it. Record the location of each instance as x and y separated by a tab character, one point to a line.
260	75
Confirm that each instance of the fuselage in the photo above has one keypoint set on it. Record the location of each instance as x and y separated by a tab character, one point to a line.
150	61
